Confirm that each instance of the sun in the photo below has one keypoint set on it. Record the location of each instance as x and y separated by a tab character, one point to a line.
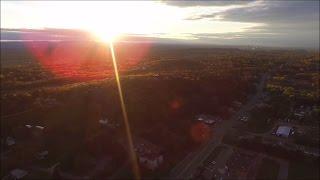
106	35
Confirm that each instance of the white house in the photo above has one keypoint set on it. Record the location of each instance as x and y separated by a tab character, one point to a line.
103	122
284	131
39	127
208	119
28	126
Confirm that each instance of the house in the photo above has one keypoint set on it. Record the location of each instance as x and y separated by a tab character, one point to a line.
149	155
299	114
10	141
29	132
107	123
237	104
150	160
201	117
42	155
28	126
39	127
34	127
311	151
208	119
17	174
103	122
284	131
243	118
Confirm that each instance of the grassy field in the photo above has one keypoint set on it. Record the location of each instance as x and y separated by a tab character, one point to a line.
303	170
268	169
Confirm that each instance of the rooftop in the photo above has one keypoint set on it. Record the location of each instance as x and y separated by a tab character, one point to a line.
18	173
283	131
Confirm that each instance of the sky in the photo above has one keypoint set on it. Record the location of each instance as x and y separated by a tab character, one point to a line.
256	22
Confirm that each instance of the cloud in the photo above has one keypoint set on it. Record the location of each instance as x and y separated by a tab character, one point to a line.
43	34
214	16
291	23
276	12
268	12
262	38
252	39
206	3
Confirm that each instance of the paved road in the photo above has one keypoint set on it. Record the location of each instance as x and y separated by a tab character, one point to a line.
187	166
284	169
223	158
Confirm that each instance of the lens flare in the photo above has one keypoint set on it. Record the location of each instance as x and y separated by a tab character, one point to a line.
85	60
200	132
132	153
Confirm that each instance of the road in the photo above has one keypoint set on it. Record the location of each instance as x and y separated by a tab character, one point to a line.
186	167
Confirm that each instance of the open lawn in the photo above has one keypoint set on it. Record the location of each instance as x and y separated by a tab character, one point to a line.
268	169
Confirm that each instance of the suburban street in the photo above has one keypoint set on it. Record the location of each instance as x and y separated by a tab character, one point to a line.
186	167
